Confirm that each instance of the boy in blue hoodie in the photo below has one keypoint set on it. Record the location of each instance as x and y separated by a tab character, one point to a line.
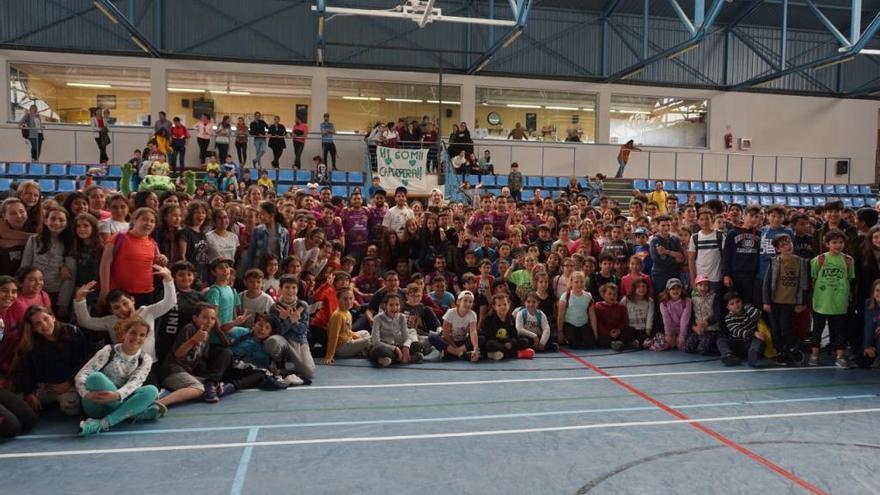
769	232
290	320
739	261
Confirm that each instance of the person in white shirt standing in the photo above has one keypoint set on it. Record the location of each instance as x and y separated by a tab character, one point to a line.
397	215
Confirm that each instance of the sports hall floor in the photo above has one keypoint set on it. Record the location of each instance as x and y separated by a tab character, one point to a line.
591	422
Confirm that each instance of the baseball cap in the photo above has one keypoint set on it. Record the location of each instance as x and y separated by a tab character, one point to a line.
700	279
673	282
640	231
218	261
465	293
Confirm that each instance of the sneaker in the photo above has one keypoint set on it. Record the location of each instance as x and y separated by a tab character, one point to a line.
617	345
292	380
525	354
842	363
495	356
151	413
415	357
210	395
465	356
782	360
92	427
730	360
225	389
813	360
384	362
164	393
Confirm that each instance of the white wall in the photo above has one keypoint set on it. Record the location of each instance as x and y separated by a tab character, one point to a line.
796	126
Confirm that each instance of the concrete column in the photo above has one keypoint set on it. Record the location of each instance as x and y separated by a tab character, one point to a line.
603	116
159	91
320	95
4	83
468	106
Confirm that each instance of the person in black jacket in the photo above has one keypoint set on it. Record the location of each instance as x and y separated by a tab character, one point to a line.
259	129
277	141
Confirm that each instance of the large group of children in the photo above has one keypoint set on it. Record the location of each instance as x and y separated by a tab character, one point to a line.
115	307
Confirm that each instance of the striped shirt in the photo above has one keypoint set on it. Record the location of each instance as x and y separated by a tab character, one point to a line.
744	324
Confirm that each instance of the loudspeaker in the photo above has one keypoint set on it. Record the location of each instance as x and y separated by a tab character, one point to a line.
448	113
184	103
842	167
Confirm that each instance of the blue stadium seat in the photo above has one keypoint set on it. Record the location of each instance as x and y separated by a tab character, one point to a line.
817	189
858	201
847	201
556	194
764	188
751	187
37	169
564	182
47	185
807	201
114	171
528	195
77	170
302	176
865	189
641	185
739	199
777	188
16	169
710	186
696	186
495	192
582	182
339	191
551	182
753	200
766	200
488	180
356	178
794	201
738	187
725	197
828	189
669	185
285	175
57	170
66	185
5	183
112	185
853	189
337	177
2	168
472	179
271	172
803	189
841	189
681	186
533	181
282	188
501	180
819	200
779	200
724	187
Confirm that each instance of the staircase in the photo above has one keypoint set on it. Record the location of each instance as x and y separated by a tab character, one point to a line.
620	190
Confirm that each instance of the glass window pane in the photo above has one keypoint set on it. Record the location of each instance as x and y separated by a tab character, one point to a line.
546	115
659	121
356	106
65	93
237	95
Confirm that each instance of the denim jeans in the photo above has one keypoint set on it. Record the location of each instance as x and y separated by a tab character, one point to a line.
36	147
259	151
620	170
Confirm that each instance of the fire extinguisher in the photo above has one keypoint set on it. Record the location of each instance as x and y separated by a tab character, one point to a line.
728	140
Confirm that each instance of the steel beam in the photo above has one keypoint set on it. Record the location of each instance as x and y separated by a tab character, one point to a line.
550	51
745	13
784	42
523	8
828	24
137	37
610	7
758	48
645	32
683	16
699	12
684	65
62	20
855	26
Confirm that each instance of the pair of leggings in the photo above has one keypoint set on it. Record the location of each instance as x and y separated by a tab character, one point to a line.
627	335
203	149
297	154
836	327
119	411
493	345
781	322
579	337
244	379
329	149
241	150
222	151
16	416
178	155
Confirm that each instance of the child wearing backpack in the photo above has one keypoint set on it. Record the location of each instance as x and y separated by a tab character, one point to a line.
533	324
111	384
704	252
576	317
833	274
784	292
707	318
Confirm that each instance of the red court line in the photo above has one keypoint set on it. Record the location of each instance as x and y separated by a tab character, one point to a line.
705	429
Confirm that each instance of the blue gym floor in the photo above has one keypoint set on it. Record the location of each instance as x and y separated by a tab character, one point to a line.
594	422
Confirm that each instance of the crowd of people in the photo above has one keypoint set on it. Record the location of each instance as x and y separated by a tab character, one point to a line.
115	306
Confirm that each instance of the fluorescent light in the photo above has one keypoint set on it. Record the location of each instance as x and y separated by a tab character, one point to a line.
588	109
632	73
103	10
683	51
404	100
574	109
632	112
517	105
870	51
435	102
185	90
483	64
833	63
88	85
238	93
140	44
512	38
767	82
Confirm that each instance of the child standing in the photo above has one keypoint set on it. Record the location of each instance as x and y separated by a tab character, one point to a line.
832	273
635	273
704	252
740	257
676	311
576	317
515	182
871	327
785	287
665	251
742	336
498	335
707	318
612	321
390	339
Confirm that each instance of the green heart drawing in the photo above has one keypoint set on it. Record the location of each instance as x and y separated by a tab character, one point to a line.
388	161
405	182
412	163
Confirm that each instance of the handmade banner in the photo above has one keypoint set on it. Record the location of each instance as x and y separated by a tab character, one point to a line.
402	168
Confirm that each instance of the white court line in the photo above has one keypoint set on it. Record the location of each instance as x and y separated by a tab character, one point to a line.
550	379
454	419
463	434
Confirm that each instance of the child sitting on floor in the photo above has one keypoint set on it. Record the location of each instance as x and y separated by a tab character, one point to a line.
612	321
390	341
498	336
676	311
707	319
741	337
533	324
639	311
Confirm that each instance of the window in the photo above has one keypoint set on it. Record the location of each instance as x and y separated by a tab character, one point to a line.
218	94
356	106
67	94
659	121
546	115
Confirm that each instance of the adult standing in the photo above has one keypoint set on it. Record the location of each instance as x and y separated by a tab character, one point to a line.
32	130
328	143
162	122
277	140
623	156
241	141
204	131
518	133
100	121
259	130
464	139
222	138
179	138
300	132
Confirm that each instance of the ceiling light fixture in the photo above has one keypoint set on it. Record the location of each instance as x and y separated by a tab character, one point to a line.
574	109
88	85
517	105
103	10
435	102
185	90
404	100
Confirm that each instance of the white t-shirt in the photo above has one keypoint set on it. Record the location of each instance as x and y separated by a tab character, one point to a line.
111	226
221	247
259	305
578	310
461	325
396	218
708	260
